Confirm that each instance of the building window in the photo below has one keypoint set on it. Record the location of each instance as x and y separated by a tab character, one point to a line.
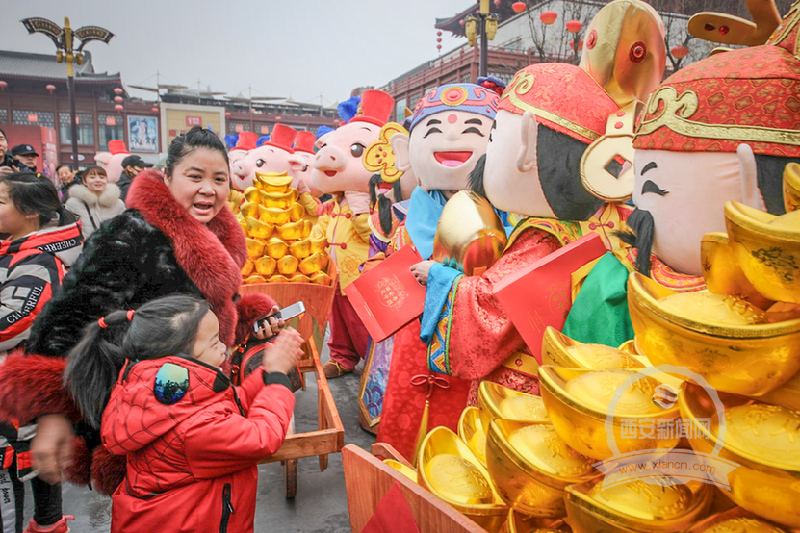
465	78
109	128
85	129
235	128
3	115
400	110
34	118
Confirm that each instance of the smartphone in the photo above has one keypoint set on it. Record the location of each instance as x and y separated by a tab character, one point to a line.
287	313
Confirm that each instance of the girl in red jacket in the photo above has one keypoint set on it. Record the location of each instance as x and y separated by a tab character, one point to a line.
192	440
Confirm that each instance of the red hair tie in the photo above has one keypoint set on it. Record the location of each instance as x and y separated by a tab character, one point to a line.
102	322
130	313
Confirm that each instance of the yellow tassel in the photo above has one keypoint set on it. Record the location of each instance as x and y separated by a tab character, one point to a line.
423	431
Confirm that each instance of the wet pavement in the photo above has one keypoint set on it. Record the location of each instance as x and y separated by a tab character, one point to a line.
321	502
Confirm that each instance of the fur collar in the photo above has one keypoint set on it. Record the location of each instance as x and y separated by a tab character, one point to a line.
108	198
212	255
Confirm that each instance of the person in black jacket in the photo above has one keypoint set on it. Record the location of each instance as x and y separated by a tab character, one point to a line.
131	167
8	164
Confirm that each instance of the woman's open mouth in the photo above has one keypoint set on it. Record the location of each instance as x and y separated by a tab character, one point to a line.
452	159
203	208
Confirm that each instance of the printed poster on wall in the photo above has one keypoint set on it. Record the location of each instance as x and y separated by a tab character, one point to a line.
142	134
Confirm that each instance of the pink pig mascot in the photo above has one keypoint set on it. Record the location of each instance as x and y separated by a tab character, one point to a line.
338	171
272	156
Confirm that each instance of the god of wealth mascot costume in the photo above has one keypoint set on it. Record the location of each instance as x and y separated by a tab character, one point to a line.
447	136
549	115
338	170
721	129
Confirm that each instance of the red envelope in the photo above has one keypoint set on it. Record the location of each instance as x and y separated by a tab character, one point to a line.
388	297
540	294
392	514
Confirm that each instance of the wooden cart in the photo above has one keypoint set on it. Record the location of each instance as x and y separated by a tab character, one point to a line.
329	437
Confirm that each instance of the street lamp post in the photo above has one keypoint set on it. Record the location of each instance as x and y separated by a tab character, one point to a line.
485	25
65	52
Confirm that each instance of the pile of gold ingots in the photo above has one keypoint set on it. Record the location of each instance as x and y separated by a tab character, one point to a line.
526	463
277	228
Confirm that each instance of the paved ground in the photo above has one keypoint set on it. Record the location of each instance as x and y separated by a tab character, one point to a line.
321	502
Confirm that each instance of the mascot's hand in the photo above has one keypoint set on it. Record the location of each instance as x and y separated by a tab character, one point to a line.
358	202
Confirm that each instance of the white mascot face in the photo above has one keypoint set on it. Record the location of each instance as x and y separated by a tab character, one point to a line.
685	192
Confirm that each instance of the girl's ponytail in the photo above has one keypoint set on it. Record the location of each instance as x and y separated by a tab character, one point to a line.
65	217
95	362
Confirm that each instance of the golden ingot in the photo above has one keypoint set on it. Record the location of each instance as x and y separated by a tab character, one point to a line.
530	466
735	520
318	245
297	211
520	523
767	249
274	181
577	401
255	278
248	267
787	395
449	469
560	350
313	263
236	197
299	278
749	358
791	187
722	273
273	215
278	278
629	347
291	231
472	430
300	249
410	473
276	248
762	439
265	266
250	209
255	248
287	265
321	278
253	195
470	236
307	227
281	200
257	229
496	401
658	505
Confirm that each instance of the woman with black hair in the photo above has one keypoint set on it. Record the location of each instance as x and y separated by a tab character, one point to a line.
176	237
43	239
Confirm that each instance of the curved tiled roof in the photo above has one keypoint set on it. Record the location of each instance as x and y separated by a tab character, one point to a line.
45	67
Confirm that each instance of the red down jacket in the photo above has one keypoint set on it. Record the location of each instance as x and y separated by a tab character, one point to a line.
191	465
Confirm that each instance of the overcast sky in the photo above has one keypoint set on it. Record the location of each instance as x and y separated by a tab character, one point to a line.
296	48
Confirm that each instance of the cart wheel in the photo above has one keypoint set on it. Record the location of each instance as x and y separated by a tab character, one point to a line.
290	478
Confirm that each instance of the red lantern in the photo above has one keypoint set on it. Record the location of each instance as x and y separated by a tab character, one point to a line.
227	113
580	44
438	34
154	109
438	46
3	85
277	118
497	3
118	107
118	90
462	22
118	99
51	88
679	52
337	120
519	7
548	17
574	26
438	39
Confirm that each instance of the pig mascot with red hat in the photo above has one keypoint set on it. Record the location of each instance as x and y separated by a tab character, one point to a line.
272	156
338	170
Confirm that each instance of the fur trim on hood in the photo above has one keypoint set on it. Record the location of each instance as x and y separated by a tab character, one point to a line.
108	198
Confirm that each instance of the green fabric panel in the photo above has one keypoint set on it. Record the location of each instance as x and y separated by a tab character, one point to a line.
600	313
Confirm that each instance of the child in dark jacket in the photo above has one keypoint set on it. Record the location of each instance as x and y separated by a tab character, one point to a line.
191	439
43	240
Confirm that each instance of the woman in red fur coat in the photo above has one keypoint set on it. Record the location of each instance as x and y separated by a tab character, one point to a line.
176	237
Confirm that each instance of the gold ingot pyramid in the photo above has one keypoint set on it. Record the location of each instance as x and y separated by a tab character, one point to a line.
448	468
719	337
762	439
255	248
578	400
767	249
257	229
657	505
531	466
277	248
